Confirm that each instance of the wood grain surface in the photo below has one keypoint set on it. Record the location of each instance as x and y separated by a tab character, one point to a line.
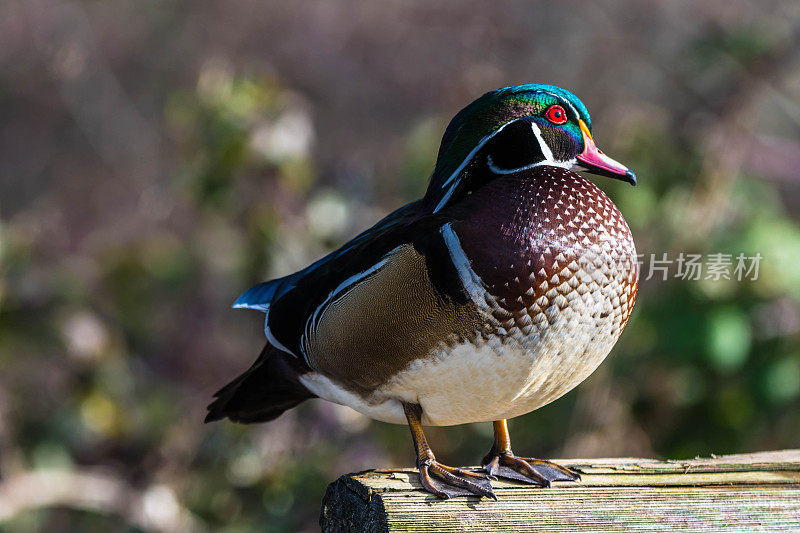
754	492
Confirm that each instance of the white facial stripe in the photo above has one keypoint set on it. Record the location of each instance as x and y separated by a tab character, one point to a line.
472	283
473	152
546	151
458	170
446	197
549	159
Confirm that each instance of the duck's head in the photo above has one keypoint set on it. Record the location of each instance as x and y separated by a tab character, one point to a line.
514	129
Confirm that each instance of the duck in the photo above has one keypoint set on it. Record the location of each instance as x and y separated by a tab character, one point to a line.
497	292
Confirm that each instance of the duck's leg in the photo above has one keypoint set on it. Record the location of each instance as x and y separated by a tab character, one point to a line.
501	462
451	481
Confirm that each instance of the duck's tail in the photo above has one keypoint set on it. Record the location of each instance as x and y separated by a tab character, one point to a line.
263	392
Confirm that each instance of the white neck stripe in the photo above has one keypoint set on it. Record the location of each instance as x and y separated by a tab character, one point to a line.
502	171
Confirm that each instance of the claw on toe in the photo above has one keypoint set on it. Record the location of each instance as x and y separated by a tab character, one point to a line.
447	482
501	462
528	470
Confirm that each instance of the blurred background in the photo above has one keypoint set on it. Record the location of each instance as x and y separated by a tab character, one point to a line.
158	158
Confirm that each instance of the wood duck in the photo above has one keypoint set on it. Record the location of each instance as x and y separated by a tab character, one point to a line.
498	292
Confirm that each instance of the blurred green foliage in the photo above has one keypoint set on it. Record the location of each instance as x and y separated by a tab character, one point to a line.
113	335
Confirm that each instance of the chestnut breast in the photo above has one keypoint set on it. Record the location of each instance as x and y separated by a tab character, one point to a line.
541	238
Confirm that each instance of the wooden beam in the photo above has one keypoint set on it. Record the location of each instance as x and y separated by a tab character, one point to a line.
754	492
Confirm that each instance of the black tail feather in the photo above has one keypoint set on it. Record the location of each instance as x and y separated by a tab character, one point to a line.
263	392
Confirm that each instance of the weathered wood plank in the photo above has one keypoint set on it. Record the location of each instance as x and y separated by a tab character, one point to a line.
755	492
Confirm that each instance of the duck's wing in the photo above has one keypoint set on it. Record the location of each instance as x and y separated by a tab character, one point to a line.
391	250
382	299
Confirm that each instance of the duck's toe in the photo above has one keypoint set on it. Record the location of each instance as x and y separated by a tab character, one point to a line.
447	482
528	470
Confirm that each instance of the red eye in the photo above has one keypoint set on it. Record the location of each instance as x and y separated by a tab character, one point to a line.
556	114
